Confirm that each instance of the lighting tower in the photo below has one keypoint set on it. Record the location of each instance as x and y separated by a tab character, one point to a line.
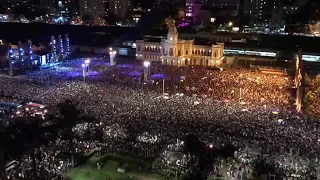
112	57
21	53
53	44
85	68
30	53
146	65
60	42
11	60
67	45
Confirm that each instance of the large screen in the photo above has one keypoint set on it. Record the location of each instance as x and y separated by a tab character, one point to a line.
43	60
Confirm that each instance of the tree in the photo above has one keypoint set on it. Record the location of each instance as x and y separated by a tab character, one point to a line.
70	114
307	80
317	81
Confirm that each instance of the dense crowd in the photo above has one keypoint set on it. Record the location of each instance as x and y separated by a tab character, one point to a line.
230	106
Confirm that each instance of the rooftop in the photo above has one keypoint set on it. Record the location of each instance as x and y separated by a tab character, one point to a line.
152	39
203	42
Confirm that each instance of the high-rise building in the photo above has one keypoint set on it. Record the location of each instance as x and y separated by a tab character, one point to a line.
120	8
189	6
95	9
259	11
314	10
48	3
221	3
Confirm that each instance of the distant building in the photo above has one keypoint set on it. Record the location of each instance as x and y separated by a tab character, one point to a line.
222	3
193	12
120	8
189	8
314	7
136	15
48	3
94	9
4	18
258	11
179	52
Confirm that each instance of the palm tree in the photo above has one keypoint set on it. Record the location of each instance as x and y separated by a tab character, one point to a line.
70	114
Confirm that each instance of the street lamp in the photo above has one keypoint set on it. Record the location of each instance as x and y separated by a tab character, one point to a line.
87	61
112	56
85	69
146	65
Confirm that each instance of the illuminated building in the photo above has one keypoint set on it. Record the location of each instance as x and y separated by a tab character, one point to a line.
95	9
174	51
119	8
4	18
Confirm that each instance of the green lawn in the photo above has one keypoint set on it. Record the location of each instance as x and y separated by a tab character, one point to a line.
89	170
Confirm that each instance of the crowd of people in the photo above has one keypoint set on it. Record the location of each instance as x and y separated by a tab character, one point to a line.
226	106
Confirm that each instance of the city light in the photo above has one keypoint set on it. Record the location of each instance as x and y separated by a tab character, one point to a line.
112	56
113	52
87	61
146	63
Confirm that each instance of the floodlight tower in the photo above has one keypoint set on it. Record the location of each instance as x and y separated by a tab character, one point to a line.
21	52
66	45
112	57
60	44
85	69
29	52
146	65
53	44
11	60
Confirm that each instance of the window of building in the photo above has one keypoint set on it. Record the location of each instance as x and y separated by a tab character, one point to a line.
179	53
186	52
139	48
215	54
163	50
170	52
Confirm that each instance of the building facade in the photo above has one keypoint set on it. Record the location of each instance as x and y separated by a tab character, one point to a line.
178	52
120	8
93	8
